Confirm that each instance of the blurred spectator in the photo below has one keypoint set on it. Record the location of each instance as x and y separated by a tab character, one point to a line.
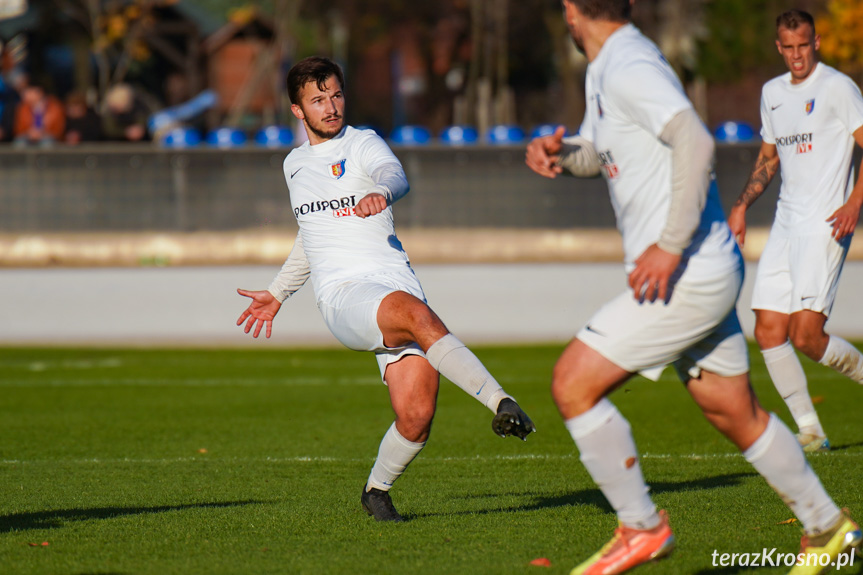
176	88
39	118
83	124
5	106
10	95
125	117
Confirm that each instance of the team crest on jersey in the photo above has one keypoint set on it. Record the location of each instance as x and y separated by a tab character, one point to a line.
337	170
810	106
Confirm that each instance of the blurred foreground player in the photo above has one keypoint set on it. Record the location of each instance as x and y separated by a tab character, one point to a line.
342	184
685	273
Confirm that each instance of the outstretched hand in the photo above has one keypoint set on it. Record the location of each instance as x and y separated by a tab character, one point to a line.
260	312
652	274
543	154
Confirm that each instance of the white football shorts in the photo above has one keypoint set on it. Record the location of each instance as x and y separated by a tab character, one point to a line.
696	330
350	310
797	273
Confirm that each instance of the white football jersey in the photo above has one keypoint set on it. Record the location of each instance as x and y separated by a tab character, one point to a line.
632	93
325	182
812	125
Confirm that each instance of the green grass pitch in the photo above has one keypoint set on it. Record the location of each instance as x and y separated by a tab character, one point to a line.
251	461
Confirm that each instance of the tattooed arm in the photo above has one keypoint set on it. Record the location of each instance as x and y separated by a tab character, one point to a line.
766	166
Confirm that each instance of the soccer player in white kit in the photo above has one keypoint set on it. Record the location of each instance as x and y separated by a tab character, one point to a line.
342	184
685	272
811	117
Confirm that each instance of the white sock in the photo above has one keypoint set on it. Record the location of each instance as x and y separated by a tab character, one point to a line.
844	358
452	359
394	455
608	451
788	376
778	457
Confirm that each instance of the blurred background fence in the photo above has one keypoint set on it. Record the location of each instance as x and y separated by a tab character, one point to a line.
130	188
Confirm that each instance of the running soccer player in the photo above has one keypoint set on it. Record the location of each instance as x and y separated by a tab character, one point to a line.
685	273
342	184
811	116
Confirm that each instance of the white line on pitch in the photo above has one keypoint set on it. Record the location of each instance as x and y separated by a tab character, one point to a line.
322	459
288	381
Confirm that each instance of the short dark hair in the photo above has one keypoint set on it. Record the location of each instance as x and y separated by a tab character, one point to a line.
614	10
315	69
794	18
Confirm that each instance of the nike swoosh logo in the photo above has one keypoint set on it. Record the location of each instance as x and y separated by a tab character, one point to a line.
774	107
480	389
588	327
294	173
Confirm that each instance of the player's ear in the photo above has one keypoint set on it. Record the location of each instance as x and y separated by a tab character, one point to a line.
817	41
298	112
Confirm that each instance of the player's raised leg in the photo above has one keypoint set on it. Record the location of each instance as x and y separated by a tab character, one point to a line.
807	333
405	319
731	406
413	387
783	365
581	380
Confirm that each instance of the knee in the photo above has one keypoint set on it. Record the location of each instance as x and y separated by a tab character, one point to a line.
769	336
810	342
561	385
415	424
423	323
570	398
424	318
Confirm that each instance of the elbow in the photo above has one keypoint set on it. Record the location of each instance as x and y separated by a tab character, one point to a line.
707	143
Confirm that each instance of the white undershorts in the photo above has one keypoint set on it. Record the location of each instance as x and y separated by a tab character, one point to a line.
697	330
797	273
350	310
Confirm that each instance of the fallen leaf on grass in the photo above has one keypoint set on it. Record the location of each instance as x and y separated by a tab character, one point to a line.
202	450
43	544
788	521
541	562
818	399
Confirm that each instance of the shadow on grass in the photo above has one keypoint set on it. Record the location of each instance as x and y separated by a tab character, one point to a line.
595	498
60	517
845	446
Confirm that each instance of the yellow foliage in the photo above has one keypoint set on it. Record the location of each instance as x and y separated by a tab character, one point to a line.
140	51
116	27
133	12
842	34
243	15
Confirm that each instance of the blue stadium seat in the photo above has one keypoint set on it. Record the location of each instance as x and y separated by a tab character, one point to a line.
734	132
459	135
182	137
544	130
274	137
377	130
226	138
503	134
410	136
